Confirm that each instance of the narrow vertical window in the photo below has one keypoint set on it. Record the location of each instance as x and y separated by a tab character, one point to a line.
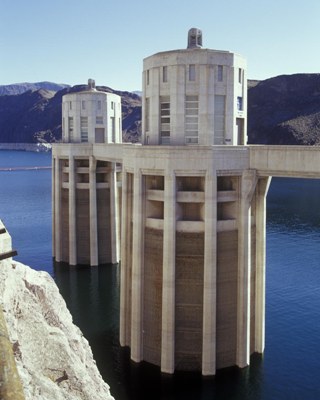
112	105
99	105
70	125
191	119
192	72
220	73
165	74
239	103
240	75
113	130
70	105
84	129
147	115
148	77
164	120
219	118
83	105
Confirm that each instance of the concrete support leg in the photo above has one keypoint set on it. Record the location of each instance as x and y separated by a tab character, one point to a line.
261	194
57	210
137	269
93	212
114	215
209	278
248	184
124	263
168	277
72	214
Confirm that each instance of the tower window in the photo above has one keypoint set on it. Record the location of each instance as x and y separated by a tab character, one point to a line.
70	105
240	75
99	120
239	103
148	77
99	105
219	118
70	124
192	72
165	120
147	115
220	73
84	129
191	119
83	105
165	74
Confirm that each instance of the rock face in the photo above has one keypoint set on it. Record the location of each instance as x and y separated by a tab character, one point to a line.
285	110
53	358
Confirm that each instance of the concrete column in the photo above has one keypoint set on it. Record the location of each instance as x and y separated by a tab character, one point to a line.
57	209
72	213
210	278
168	276
124	262
137	269
260	297
93	212
248	183
114	215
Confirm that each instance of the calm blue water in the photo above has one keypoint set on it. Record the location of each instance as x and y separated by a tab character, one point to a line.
290	367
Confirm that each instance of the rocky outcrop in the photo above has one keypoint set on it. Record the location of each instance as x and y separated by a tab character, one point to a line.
53	358
285	110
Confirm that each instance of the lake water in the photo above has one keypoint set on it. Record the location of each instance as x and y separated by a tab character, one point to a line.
290	366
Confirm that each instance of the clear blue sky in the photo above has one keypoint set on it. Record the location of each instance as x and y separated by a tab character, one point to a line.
68	41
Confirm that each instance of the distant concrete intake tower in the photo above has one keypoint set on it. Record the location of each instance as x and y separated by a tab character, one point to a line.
85	194
190	202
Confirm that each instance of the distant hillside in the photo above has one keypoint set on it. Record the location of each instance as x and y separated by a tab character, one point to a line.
281	110
19	88
285	110
35	116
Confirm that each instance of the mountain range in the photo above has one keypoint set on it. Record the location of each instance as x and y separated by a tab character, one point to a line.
281	110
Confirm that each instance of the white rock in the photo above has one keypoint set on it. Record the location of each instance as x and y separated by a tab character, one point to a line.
54	359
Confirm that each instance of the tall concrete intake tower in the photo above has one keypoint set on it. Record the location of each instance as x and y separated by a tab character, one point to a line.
192	291
190	201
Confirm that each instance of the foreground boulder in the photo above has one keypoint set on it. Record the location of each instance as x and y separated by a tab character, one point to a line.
53	358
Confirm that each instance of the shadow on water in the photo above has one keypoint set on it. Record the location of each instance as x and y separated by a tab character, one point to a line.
92	296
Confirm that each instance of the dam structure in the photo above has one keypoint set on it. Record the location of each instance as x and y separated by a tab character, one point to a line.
186	208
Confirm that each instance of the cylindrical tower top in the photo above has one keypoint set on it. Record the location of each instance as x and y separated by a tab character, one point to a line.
91	116
194	96
194	38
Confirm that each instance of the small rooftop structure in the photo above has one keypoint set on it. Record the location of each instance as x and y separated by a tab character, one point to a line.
194	38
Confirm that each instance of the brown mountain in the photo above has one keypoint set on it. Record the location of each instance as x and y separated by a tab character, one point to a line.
285	110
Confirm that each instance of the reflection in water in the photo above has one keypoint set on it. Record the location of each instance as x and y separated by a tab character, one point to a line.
92	296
